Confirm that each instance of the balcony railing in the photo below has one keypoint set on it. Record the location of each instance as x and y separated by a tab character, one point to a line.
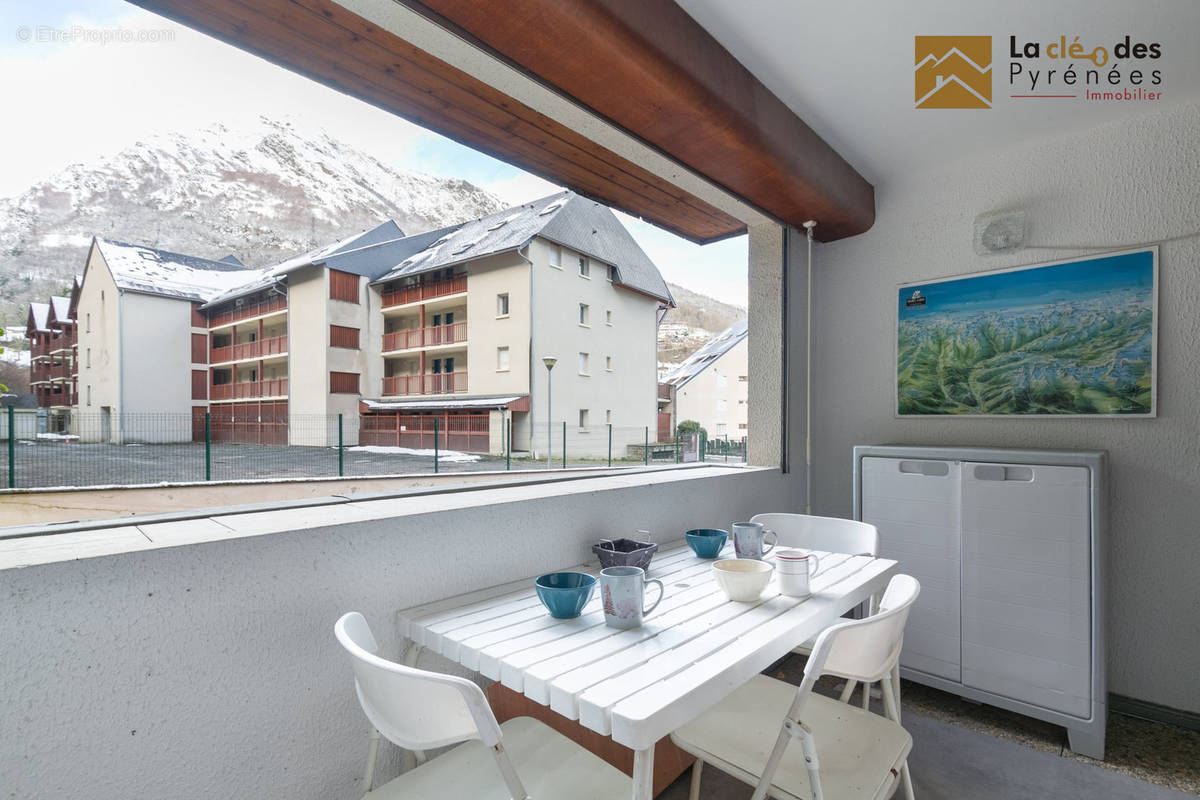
263	348
249	390
664	391
58	372
441	383
425	337
248	310
424	291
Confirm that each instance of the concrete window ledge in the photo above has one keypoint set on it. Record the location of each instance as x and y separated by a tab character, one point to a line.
29	547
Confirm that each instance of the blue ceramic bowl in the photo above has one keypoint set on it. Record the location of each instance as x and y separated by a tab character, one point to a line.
706	542
565	594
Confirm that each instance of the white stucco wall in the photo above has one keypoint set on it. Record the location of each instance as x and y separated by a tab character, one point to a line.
211	670
716	396
99	348
308	359
507	273
629	390
156	368
1123	184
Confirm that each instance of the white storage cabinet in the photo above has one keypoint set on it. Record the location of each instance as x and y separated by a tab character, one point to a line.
1008	547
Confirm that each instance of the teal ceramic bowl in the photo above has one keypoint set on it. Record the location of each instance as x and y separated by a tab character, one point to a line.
564	594
706	542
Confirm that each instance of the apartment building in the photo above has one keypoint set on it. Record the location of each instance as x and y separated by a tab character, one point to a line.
51	331
709	387
398	334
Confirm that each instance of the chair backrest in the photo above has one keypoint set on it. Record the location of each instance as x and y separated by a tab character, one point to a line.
831	534
867	647
414	708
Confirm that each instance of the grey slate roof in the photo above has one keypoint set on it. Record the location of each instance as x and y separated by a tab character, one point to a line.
700	360
366	253
565	218
146	270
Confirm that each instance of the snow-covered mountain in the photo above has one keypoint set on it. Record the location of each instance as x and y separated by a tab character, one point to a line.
260	192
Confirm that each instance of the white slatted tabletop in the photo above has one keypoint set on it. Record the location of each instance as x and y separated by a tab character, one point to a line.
639	685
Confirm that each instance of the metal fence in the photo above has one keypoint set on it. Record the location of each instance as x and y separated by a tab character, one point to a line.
220	445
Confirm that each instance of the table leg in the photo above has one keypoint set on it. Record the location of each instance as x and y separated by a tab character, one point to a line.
643	774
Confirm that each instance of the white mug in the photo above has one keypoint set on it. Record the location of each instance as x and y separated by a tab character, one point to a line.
794	568
749	540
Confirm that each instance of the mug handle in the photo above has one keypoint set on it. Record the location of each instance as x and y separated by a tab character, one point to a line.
815	561
767	533
661	591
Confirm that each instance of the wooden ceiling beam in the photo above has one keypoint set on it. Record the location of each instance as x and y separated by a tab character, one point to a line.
652	70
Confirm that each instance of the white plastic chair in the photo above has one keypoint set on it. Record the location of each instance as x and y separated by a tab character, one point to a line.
421	710
831	534
845	752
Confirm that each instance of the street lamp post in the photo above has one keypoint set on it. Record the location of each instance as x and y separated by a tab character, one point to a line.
549	361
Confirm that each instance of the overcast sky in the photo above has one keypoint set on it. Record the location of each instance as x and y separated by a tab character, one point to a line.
72	96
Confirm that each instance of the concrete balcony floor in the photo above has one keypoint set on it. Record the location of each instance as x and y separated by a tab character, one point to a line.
967	751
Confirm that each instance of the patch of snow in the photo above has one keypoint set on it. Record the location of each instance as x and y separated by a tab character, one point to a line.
58	437
449	456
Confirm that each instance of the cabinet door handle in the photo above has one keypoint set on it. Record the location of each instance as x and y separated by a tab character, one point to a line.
933	469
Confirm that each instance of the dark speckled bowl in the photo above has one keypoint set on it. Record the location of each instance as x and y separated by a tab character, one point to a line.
624	553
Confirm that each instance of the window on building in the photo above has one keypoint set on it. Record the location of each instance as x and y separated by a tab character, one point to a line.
742	378
199	348
199	384
343	286
343	383
608	416
585	269
608	363
612	274
722	381
722	405
585	316
88	353
720	429
502	359
583	417
343	336
502	305
583	363
556	256
608	317
89	393
88	318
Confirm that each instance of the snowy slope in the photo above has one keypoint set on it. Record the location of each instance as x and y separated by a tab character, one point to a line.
262	193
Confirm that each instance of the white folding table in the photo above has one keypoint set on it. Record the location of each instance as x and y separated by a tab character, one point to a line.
638	685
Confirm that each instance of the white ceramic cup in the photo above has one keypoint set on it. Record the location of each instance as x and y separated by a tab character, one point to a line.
794	568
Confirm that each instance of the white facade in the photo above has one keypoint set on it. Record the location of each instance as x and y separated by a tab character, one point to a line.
717	397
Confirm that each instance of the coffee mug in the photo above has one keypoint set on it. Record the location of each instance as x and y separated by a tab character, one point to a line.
623	595
794	568
748	540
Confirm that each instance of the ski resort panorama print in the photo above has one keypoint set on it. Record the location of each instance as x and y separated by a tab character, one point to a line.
1071	337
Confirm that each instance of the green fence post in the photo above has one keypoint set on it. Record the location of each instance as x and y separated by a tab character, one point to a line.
610	444
646	447
703	447
507	445
341	462
435	445
207	446
564	461
676	447
12	448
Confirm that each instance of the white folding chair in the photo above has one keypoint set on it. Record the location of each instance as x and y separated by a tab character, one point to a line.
832	535
421	710
844	752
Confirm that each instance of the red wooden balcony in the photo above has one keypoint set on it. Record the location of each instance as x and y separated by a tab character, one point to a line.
441	383
58	372
263	348
424	291
270	305
425	337
249	390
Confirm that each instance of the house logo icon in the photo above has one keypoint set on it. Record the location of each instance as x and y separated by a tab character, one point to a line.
953	72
